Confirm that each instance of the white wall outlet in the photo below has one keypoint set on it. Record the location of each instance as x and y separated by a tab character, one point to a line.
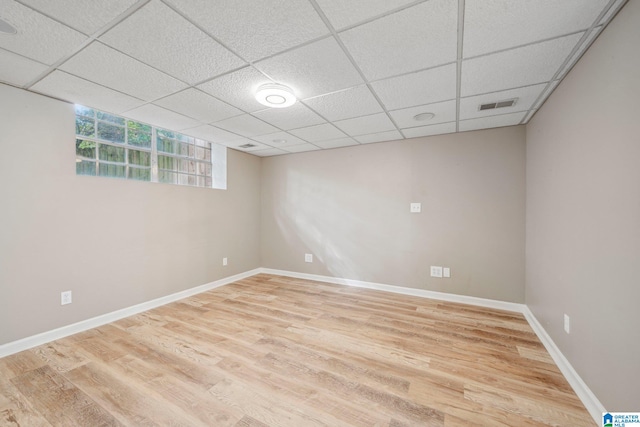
308	257
567	324
446	272
225	261
436	271
415	207
65	297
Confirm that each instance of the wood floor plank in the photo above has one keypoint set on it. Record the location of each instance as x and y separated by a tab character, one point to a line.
278	351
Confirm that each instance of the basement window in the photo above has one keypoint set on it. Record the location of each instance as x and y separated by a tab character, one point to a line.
112	146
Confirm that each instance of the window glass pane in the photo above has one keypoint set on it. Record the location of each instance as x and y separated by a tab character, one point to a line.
192	180
184	149
208	182
140	174
168	163
166	145
202	181
167	177
183	179
85	148
113	171
110	132
110	118
85	126
200	153
140	158
139	134
85	168
192	150
174	135
110	153
85	111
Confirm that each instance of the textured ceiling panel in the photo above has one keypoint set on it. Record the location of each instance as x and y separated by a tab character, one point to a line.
279	139
296	116
312	70
37	37
83	15
180	49
301	148
238	88
246	125
492	25
425	87
492	121
345	104
430	130
256	29
213	134
108	67
517	67
374	123
419	37
315	133
346	13
18	70
379	137
158	116
443	112
74	89
336	143
268	152
526	96
198	105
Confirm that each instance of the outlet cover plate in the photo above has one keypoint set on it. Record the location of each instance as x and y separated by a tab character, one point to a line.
415	207
436	271
225	261
65	298
308	257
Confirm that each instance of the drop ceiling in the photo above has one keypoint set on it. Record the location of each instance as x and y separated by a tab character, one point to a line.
362	70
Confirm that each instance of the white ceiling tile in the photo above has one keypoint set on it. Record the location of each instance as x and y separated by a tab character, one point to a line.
424	87
312	70
108	67
346	13
161	117
374	123
379	137
345	104
83	15
296	116
419	37
74	89
247	145
337	143
246	125
256	29
492	121
318	133
430	130
37	37
551	87
574	58
18	70
198	105
301	148
444	112
279	139
526	96
238	88
268	152
523	66
491	25
212	134
180	49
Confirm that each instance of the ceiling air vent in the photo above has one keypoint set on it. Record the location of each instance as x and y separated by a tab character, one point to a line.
499	104
247	146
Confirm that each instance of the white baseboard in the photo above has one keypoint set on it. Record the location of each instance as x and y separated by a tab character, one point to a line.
589	400
94	322
442	296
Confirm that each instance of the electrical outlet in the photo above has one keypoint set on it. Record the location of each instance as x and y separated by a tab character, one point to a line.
225	261
436	271
308	257
65	298
446	272
567	324
415	207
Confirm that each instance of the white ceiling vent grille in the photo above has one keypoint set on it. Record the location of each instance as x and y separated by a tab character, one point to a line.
499	104
247	146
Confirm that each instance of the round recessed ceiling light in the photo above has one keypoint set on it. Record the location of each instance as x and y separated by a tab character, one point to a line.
275	96
423	117
6	28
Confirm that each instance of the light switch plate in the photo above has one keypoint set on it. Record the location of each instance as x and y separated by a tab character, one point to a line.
446	272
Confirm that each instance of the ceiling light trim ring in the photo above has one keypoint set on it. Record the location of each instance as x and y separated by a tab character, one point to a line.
275	95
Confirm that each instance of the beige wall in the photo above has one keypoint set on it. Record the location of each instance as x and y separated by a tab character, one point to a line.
583	214
350	208
114	243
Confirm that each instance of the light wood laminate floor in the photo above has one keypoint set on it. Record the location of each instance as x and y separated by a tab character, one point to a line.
277	351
